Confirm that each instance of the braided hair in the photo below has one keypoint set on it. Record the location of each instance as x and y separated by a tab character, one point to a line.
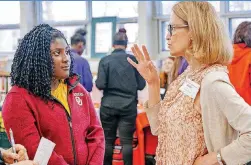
33	66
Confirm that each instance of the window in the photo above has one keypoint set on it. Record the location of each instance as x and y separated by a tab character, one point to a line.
234	22
239	5
10	19
68	31
56	11
9	40
131	32
10	9
103	38
66	16
164	33
167	6
216	5
121	9
126	13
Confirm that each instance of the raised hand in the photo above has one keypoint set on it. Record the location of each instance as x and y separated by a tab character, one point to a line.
145	66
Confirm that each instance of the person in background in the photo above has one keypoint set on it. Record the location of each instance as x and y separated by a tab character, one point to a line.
183	64
81	31
240	68
179	66
165	74
120	83
47	100
8	157
202	119
81	65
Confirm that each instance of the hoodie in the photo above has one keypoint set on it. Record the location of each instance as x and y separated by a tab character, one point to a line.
239	71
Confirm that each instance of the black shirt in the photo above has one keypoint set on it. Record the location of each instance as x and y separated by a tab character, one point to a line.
119	81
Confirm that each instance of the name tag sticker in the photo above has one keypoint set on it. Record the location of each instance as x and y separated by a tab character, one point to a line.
162	90
190	88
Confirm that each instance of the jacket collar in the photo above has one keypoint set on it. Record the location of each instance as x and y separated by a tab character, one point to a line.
118	51
72	81
74	51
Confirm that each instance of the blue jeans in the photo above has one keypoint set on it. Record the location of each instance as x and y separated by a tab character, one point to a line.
113	119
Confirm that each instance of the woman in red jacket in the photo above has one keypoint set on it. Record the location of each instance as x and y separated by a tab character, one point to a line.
240	68
46	100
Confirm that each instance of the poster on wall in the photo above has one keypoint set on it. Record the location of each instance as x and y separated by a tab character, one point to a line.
103	40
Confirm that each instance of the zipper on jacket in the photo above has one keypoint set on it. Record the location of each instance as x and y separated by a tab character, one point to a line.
71	123
72	139
71	131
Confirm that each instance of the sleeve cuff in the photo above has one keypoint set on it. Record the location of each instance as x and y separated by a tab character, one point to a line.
154	107
152	115
233	154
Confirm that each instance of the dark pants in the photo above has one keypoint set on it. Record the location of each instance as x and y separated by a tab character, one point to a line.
123	120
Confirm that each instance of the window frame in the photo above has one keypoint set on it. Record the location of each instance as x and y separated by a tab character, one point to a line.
3	53
228	9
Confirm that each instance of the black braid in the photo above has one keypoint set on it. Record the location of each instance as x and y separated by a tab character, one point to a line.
32	66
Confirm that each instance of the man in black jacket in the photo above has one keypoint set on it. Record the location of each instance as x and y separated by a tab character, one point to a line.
120	83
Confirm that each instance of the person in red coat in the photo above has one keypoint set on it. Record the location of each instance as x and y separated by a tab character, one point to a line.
48	101
240	67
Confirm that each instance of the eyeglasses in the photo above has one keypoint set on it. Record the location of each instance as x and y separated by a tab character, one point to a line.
171	27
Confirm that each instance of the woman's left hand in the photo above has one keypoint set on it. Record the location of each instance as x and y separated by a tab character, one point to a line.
209	159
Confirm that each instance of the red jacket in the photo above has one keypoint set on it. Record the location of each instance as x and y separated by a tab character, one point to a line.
240	71
30	118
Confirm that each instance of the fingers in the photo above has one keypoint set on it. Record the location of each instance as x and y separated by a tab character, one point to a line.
10	156
135	53
22	155
139	53
19	147
26	156
151	66
146	54
131	62
35	163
